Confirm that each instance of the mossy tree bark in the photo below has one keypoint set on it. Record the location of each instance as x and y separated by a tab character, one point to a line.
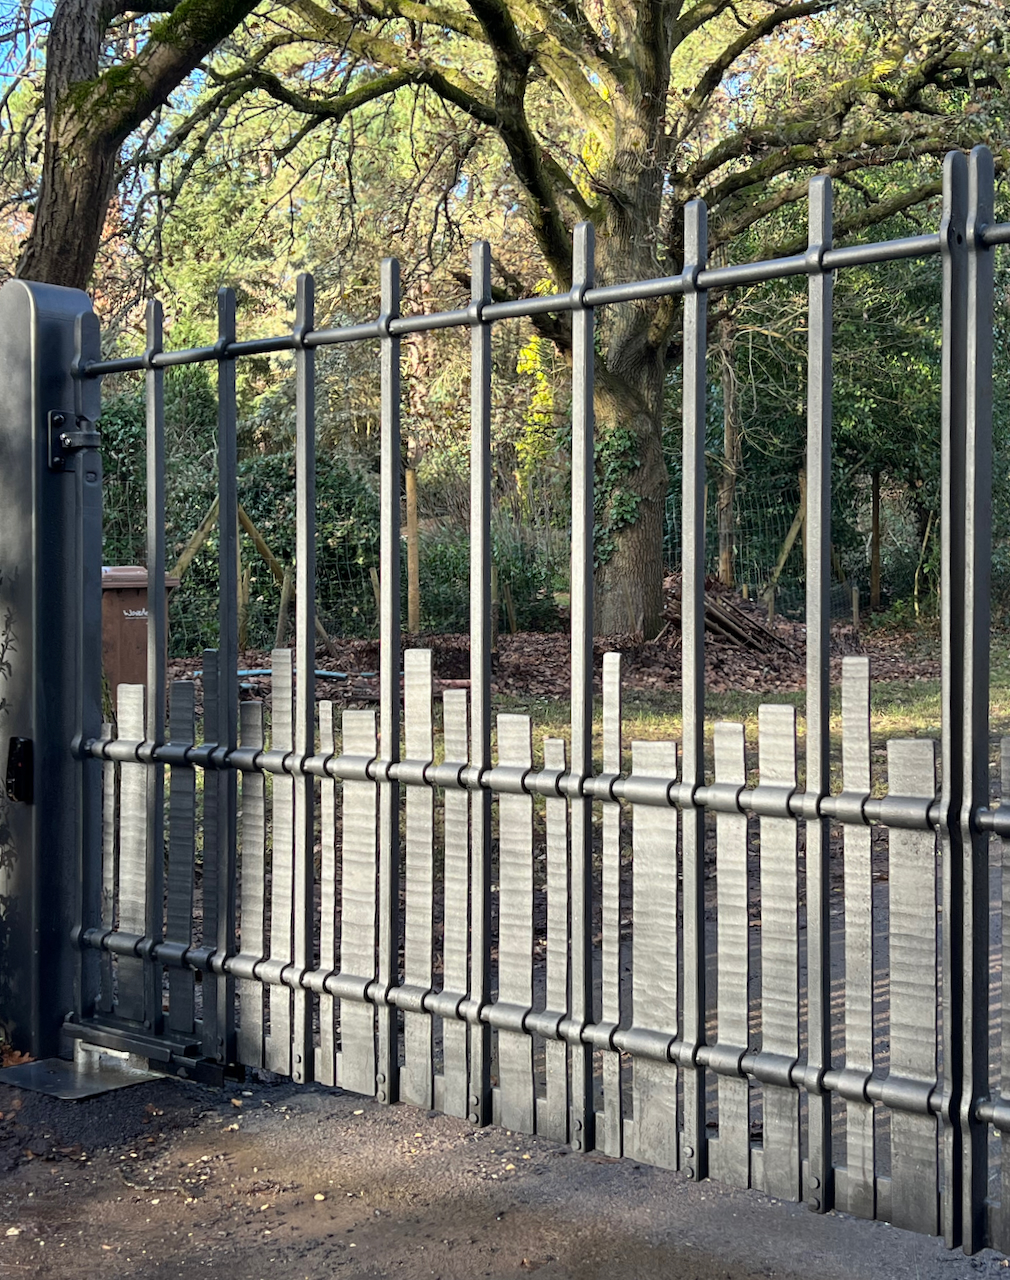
90	110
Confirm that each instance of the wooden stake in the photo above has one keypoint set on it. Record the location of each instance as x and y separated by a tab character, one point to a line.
259	542
787	546
875	541
191	548
282	612
510	612
242	578
279	573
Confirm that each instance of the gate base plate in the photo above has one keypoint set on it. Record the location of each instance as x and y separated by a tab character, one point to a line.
91	1074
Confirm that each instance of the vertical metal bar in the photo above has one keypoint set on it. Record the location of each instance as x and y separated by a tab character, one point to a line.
226	780
278	1046
515	928
583	1113
456	906
780	969
209	862
156	651
1002	1240
181	857
654	959
819	1190
694	1141
554	1123
912	911
480	678
953	357
419	874
110	867
86	811
975	705
729	1157
253	913
302	1054
389	686
50	602
356	1065
326	1061
860	1164
611	1138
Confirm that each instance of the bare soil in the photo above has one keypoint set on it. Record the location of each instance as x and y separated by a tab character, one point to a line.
536	664
268	1182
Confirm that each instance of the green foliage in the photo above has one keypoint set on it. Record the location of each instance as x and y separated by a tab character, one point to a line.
190	435
525	566
347	535
616	459
347	517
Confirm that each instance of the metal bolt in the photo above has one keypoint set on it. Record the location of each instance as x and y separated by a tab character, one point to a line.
58	419
815	1205
380	1078
474	1100
576	1144
577	1125
689	1171
473	1117
381	1095
688	1153
815	1182
298	1057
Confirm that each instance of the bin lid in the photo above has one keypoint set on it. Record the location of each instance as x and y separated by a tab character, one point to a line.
130	576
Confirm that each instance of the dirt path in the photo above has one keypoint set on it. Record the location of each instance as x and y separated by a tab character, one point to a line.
171	1179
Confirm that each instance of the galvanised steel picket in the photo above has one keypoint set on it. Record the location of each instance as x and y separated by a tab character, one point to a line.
709	1004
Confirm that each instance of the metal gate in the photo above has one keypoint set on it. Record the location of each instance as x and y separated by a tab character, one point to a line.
365	903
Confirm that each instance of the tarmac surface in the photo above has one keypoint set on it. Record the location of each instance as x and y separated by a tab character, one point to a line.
273	1182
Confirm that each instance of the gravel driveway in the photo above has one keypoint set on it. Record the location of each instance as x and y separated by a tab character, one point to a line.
272	1182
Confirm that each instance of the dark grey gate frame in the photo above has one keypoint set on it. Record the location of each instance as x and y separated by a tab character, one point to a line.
54	980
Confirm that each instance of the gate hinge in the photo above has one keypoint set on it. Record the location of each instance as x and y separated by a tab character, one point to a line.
67	433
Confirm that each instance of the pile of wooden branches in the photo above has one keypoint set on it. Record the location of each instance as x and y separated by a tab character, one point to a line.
729	620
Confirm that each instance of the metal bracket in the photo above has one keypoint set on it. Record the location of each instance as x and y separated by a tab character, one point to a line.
69	432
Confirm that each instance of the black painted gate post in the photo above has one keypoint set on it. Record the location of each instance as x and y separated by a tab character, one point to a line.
50	662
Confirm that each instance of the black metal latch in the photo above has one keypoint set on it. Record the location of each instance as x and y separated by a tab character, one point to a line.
20	771
67	433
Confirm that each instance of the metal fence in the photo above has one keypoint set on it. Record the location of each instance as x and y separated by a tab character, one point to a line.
792	985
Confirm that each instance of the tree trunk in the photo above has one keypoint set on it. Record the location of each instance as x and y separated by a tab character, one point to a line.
630	382
78	170
77	185
726	500
90	109
628	582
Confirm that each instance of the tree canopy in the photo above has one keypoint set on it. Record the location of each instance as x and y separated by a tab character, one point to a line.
533	115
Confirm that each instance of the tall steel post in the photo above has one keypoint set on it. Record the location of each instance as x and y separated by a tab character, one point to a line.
50	661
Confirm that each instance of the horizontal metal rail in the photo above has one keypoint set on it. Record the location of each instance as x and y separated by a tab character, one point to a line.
895	1092
726	277
911	813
